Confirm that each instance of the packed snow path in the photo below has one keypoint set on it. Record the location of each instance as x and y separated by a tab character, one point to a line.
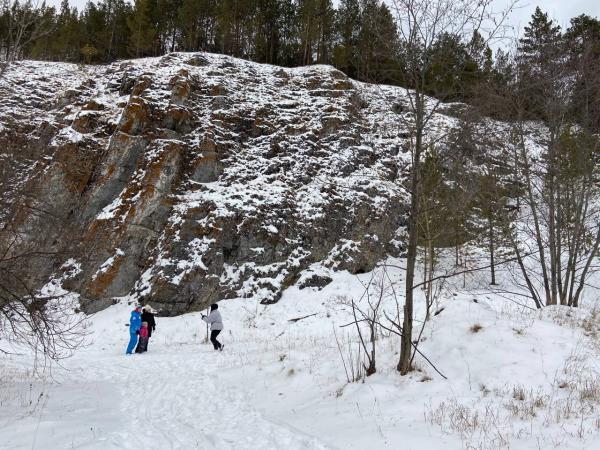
168	398
173	397
184	404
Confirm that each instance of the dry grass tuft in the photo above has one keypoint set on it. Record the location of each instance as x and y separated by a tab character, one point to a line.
476	328
518	393
484	390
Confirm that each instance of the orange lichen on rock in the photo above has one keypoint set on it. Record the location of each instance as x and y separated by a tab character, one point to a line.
176	117
141	84
135	116
104	278
217	90
142	193
93	105
180	87
343	85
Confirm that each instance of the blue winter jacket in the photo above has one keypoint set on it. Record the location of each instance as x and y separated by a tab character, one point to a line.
135	323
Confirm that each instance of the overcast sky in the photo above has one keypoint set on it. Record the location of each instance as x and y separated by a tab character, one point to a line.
559	10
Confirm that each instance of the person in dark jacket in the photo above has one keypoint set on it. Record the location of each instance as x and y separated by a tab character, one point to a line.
216	325
135	322
148	316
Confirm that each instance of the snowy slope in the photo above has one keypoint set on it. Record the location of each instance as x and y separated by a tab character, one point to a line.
525	380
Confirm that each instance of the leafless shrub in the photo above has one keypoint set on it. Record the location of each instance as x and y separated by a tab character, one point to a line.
44	323
22	391
35	312
25	23
366	313
251	317
352	360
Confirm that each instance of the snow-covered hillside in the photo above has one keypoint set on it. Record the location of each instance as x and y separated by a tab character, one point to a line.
516	378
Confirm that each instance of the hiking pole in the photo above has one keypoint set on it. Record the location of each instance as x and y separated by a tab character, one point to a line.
207	313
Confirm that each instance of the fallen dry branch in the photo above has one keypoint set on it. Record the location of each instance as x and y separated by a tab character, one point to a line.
300	318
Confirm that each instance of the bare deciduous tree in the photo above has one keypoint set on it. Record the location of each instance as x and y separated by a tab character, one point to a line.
42	320
26	22
421	24
559	226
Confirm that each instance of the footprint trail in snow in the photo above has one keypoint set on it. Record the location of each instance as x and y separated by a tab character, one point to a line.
176	400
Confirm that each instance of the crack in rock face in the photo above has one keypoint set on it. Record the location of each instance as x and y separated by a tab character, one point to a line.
191	178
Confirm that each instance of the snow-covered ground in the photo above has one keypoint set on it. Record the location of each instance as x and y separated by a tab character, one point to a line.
516	378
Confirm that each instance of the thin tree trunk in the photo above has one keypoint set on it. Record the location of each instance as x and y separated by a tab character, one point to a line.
573	299
406	344
429	292
536	221
413	236
530	287
552	219
583	275
425	251
492	250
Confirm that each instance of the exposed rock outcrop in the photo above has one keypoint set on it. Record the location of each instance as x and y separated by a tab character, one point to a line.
194	177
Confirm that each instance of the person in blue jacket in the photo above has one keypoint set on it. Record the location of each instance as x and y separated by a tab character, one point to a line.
135	322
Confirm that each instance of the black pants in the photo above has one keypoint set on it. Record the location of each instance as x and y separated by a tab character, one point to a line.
142	345
213	338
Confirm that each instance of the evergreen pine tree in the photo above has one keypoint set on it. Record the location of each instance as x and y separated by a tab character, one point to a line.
539	63
196	24
267	30
166	20
583	44
347	23
93	27
377	44
540	34
234	24
141	32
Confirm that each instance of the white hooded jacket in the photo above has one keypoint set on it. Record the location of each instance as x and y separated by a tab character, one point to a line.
214	320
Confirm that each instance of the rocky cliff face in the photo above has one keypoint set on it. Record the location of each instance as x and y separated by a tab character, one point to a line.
191	178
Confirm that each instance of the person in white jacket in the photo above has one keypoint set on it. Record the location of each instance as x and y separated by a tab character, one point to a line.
216	325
